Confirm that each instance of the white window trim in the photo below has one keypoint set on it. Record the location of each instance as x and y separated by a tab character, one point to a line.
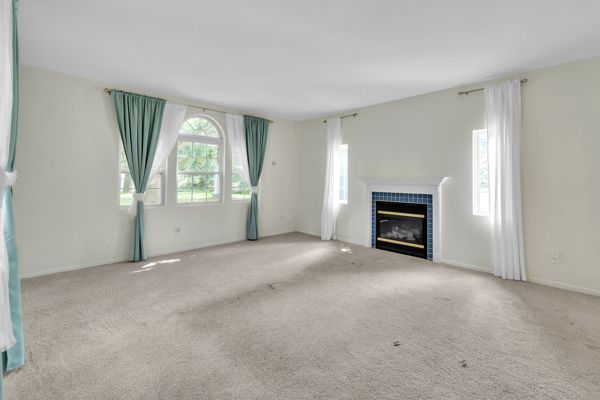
163	182
220	141
342	147
475	189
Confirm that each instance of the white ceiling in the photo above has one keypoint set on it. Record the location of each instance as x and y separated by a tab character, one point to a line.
298	59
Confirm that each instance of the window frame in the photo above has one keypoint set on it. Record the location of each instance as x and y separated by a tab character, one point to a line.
344	149
477	211
194	138
163	183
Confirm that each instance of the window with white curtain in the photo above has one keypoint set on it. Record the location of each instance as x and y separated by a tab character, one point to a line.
240	191
344	174
481	174
154	195
199	161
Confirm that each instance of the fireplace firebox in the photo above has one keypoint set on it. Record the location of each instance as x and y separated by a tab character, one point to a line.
402	228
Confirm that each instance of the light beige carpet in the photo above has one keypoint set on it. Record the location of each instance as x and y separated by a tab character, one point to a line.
291	317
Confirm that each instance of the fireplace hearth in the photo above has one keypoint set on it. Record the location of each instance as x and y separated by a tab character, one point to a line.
401	228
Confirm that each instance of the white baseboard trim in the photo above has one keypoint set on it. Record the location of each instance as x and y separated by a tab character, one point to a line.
277	233
73	267
565	286
532	279
339	239
465	265
158	253
351	241
309	233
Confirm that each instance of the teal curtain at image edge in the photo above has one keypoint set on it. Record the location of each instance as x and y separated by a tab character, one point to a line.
14	357
256	144
139	119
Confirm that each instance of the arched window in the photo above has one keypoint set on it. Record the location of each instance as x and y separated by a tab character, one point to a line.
199	161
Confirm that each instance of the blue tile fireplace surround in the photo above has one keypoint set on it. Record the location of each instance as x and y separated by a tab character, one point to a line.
413	198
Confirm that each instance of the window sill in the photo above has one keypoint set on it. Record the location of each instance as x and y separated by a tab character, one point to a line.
203	203
146	207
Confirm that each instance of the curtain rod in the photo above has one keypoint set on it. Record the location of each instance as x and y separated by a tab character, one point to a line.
466	92
204	109
344	116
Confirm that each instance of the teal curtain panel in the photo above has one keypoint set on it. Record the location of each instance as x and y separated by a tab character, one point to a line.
139	119
14	357
257	130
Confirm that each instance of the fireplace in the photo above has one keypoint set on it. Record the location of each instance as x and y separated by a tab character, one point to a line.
425	191
402	228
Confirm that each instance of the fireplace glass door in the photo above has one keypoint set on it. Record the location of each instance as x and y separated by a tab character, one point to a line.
402	228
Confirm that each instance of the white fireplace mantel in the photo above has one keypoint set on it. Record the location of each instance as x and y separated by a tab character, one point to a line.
425	185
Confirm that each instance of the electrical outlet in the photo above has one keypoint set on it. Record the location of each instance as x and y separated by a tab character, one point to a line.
555	257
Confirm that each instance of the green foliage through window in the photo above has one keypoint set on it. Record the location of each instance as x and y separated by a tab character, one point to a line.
154	192
239	189
199	126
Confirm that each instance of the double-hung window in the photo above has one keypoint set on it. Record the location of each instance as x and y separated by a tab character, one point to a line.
481	173
199	161
239	189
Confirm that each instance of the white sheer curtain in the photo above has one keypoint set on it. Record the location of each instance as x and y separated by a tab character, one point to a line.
7	339
236	134
503	109
173	117
331	195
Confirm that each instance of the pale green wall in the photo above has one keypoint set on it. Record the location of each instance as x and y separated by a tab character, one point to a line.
430	135
66	197
67	163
